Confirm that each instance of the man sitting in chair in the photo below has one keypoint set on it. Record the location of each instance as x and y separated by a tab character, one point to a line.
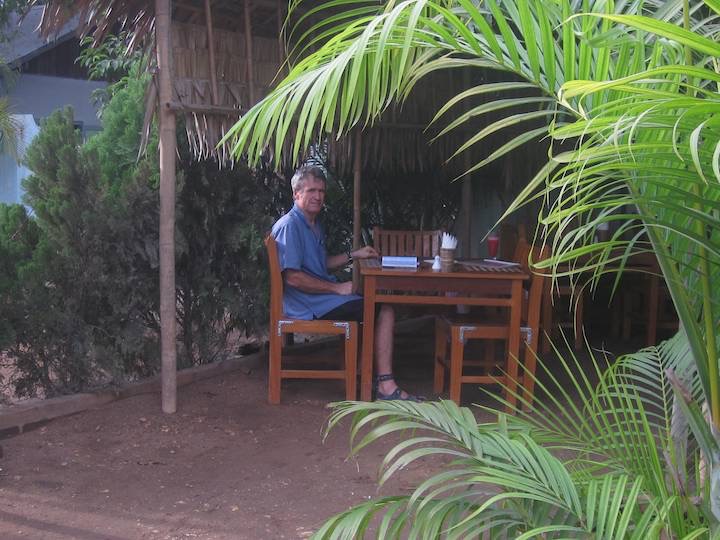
310	292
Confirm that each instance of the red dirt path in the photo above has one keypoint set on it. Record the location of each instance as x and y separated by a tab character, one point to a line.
226	466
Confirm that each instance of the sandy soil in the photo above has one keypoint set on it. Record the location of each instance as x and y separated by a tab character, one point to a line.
226	466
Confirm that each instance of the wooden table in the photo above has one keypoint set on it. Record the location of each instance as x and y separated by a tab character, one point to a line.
471	284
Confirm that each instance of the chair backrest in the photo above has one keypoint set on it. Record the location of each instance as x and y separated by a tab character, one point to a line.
400	243
276	282
522	252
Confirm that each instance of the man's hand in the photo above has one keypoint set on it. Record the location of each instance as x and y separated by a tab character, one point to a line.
367	252
344	288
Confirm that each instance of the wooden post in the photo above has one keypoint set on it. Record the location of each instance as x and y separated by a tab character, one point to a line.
211	52
467	194
466	210
168	143
281	45
357	201
249	53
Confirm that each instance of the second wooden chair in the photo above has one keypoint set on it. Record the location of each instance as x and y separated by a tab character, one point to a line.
407	243
456	333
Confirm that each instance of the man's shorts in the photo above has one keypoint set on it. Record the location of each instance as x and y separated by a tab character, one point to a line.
352	310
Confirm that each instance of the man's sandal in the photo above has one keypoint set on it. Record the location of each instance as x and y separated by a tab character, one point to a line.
395	394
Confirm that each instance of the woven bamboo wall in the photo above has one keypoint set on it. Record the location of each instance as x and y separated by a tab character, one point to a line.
192	85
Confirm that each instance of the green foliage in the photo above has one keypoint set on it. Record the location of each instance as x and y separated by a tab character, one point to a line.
82	299
116	62
86	303
118	144
504	479
110	60
19	236
222	216
8	10
627	95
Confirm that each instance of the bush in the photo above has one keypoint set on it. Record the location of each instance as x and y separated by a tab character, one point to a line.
85	304
81	291
221	275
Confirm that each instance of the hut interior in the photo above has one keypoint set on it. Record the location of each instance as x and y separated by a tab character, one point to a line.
224	56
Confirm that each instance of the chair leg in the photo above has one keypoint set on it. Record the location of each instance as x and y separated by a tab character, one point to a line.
274	368
351	349
456	361
440	358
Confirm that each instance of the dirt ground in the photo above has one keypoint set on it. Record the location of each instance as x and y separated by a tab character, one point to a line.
226	466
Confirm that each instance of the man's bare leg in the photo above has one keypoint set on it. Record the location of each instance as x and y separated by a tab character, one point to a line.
384	334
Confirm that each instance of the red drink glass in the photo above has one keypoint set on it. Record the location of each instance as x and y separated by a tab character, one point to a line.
492	245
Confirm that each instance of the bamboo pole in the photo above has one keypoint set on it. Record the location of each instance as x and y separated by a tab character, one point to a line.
249	53
357	184
466	210
467	194
168	143
211	52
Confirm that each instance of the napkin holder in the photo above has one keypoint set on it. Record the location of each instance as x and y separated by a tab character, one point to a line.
447	259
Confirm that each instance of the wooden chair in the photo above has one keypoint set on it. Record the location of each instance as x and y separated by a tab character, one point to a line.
457	332
407	243
281	325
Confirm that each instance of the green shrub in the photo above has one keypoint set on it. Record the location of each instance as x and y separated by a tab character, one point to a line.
80	292
85	299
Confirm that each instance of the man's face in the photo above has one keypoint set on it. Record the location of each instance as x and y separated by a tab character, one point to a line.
311	197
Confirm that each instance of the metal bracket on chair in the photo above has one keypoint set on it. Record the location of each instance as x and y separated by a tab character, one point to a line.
527	333
282	323
346	326
464	329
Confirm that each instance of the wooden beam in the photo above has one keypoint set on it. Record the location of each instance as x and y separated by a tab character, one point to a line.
211	51
247	5
168	144
268	4
204	109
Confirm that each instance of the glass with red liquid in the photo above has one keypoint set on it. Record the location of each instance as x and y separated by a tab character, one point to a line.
493	241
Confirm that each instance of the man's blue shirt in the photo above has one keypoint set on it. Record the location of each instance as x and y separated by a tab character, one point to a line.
302	247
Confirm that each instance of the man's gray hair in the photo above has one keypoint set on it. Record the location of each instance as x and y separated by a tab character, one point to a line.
303	173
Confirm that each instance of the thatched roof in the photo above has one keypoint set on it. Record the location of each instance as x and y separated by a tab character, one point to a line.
397	143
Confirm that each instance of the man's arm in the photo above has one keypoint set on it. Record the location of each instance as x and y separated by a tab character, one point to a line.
310	284
337	261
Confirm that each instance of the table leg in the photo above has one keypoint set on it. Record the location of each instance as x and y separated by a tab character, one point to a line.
368	343
514	342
